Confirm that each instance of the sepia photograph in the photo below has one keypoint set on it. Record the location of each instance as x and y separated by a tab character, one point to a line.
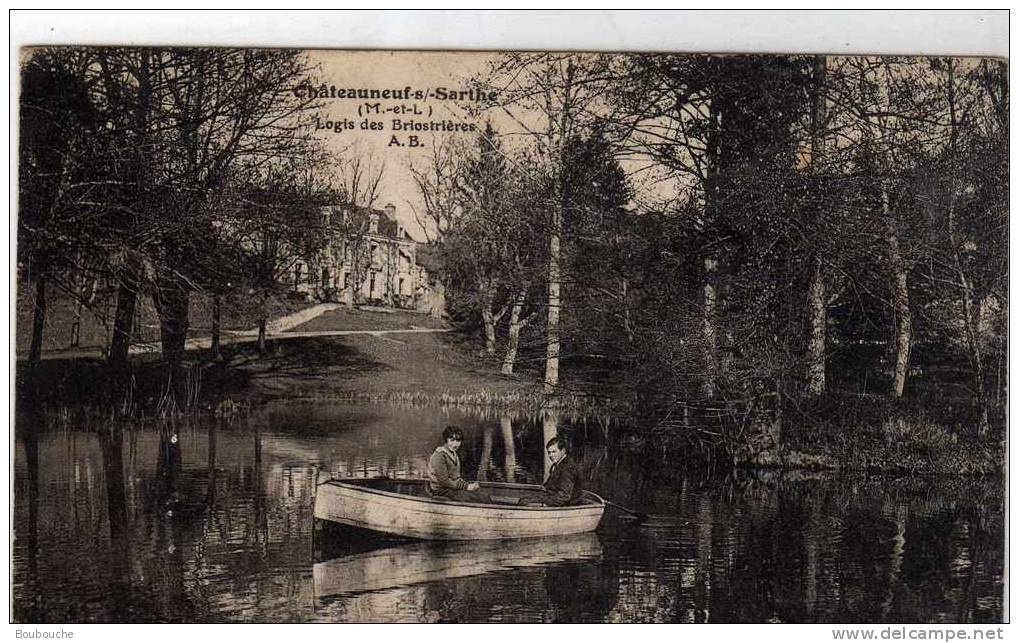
308	335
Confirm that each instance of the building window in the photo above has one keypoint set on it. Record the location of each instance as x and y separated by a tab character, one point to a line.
325	277
343	283
297	275
371	284
400	291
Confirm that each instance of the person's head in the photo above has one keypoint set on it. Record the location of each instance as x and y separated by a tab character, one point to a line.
556	448
452	436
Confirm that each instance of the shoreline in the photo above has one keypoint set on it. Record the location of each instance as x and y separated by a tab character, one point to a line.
437	369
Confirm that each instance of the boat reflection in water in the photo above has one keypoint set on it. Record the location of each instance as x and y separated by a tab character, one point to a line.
417	562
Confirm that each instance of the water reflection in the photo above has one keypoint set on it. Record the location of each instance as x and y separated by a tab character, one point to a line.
212	521
33	596
510	451
426	562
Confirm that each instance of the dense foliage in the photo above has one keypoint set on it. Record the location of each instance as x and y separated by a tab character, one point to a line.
825	223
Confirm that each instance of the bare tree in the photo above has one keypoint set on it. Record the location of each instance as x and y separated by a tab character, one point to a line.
275	220
971	99
876	91
360	179
56	171
184	117
551	98
817	298
439	183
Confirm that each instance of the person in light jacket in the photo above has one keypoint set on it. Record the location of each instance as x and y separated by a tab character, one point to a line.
444	478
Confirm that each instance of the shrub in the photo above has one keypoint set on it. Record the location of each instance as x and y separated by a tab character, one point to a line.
919	431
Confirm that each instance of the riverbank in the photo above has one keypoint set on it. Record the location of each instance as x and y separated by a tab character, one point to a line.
922	435
383	356
414	366
867	451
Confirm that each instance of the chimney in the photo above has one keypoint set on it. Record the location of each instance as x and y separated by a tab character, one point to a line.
391	211
373	221
399	232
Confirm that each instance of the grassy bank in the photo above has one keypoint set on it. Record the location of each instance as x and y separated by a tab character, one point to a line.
362	319
869	433
426	365
410	368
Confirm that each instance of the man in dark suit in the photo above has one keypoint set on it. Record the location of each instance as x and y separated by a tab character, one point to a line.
563	486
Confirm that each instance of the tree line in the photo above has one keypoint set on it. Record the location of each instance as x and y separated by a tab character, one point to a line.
165	172
672	227
694	227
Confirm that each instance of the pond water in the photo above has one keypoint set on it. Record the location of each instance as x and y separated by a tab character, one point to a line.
212	520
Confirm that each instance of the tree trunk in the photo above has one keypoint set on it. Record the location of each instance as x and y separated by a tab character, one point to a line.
554	299
1001	379
972	323
557	138
710	334
215	327
86	295
86	292
76	325
900	298
971	320
38	322
624	297
489	316
123	323
261	335
818	296
489	319
172	305
516	324
818	327
79	305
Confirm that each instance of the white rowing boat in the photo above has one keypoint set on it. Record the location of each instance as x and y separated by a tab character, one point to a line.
404	508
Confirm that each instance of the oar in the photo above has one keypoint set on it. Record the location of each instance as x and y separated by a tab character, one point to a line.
640	517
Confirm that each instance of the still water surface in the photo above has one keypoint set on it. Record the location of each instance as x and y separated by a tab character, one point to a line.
211	520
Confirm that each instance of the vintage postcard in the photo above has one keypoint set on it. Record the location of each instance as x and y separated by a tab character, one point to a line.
435	336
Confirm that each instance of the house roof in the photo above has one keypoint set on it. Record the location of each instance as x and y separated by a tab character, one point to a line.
357	219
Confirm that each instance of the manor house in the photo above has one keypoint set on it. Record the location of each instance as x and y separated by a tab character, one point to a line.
368	258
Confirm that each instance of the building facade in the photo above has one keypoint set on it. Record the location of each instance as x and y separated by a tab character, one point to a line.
368	258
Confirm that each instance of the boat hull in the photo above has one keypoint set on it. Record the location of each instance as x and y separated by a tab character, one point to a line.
413	516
